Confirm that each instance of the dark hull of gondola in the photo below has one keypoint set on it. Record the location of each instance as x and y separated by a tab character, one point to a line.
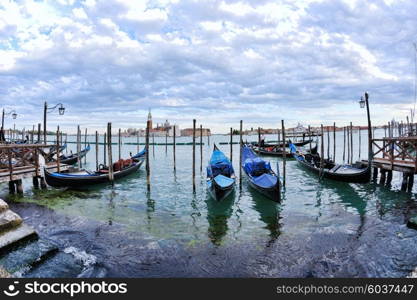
73	159
362	176
278	153
218	192
272	193
298	144
85	181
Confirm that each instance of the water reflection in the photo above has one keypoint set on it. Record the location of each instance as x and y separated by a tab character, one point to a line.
238	213
150	210
218	213
269	212
195	215
349	196
111	198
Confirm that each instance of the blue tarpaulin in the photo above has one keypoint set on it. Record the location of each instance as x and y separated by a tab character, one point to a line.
258	169
219	164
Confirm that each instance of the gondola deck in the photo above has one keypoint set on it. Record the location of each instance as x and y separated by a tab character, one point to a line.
260	175
220	175
355	173
84	178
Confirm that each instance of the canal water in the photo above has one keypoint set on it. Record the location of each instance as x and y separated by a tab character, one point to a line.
321	228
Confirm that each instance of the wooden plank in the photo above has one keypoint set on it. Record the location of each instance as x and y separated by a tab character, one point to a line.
19	146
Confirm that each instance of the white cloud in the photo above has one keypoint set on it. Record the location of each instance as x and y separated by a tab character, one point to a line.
194	58
79	13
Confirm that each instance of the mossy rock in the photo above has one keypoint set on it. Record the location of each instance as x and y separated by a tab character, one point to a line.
412	222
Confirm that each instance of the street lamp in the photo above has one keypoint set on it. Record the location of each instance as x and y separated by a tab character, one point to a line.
12	113
363	103
14	116
61	111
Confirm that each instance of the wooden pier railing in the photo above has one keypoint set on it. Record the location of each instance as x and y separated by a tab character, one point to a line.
397	153
23	160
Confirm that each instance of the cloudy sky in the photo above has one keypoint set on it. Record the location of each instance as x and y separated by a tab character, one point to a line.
216	61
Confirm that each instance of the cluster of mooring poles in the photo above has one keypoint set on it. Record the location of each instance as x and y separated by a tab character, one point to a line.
397	149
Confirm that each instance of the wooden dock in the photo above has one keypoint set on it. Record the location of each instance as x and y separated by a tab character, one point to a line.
18	161
395	154
27	171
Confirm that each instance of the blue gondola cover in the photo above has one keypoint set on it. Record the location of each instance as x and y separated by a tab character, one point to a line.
219	164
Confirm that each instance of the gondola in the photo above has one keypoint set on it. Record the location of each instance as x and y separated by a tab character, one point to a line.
276	151
73	158
220	175
355	173
260	175
84	178
139	155
298	144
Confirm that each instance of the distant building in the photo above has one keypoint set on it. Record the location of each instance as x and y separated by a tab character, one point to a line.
177	131
300	129
162	129
189	132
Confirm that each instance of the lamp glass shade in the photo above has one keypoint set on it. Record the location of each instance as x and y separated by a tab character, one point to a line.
362	103
61	110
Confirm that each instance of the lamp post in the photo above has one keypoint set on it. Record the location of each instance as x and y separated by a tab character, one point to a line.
14	116
365	102
46	110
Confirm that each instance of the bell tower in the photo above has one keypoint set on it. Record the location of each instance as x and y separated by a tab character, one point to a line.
150	119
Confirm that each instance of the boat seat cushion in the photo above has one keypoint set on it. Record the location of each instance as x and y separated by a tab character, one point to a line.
256	166
121	164
220	168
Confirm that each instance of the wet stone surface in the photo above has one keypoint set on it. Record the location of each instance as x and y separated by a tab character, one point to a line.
364	247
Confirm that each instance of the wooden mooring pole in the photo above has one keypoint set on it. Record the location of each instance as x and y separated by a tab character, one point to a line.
120	144
284	157
201	148
96	151
231	144
351	143
79	146
85	145
105	149
360	142
39	132
148	169
334	141
35	179
259	138
321	152
240	153
328	142
348	144
344	143
58	163
173	148
408	127
109	153
194	121
279	138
